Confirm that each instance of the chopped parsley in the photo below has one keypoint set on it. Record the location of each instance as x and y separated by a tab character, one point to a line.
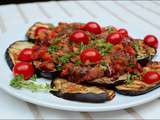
65	58
78	62
131	65
103	63
56	40
100	41
19	83
82	46
103	52
34	77
52	48
105	48
58	67
129	79
136	47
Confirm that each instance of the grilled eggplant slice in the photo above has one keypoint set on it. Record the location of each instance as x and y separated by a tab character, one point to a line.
72	91
108	81
152	66
135	88
31	31
13	51
145	53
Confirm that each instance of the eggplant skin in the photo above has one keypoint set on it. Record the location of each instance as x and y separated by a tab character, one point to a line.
140	91
87	97
13	50
92	94
48	75
9	60
108	82
136	93
144	61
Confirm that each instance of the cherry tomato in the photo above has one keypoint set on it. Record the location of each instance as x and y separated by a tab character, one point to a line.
151	77
26	55
23	68
79	36
151	41
93	27
114	38
123	32
90	55
40	30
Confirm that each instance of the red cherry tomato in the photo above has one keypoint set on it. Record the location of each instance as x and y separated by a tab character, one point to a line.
79	36
93	27
123	32
151	77
23	68
26	55
90	55
40	30
151	41
114	38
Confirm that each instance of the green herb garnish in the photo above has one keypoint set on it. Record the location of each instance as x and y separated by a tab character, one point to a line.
131	65
103	63
103	46
78	62
106	49
103	52
136	47
100	41
65	58
58	67
18	82
52	48
34	77
82	46
129	79
56	40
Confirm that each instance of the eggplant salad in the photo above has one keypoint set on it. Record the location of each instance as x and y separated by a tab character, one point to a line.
84	61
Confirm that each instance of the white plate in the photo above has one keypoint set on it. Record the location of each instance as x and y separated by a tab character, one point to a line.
48	100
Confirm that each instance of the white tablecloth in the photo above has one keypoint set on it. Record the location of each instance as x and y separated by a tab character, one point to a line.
144	14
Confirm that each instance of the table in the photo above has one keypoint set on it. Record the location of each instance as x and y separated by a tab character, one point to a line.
144	14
